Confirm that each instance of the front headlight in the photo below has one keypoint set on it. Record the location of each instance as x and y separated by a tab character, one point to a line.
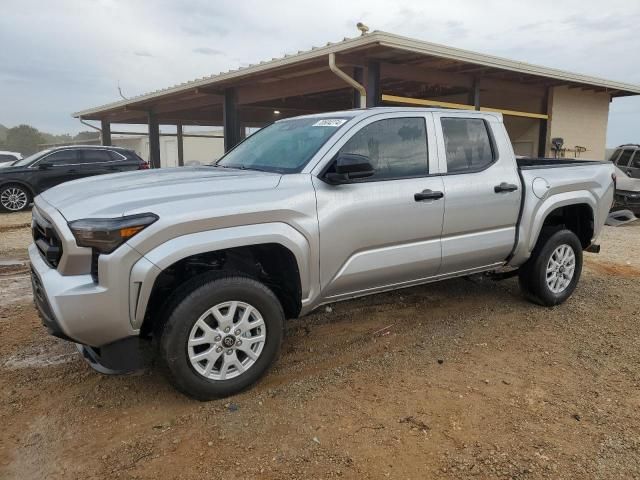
107	234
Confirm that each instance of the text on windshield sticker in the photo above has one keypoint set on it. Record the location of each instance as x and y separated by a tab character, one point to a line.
329	122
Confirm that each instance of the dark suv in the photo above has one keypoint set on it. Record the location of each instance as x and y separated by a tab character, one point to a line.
30	176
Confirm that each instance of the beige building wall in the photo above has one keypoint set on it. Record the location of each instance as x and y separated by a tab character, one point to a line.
580	118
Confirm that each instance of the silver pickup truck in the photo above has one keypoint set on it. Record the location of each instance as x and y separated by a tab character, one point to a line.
206	263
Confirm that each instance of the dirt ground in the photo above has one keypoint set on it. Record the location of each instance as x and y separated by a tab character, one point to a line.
461	379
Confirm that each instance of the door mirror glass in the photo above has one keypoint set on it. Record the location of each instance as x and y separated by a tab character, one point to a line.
44	165
349	166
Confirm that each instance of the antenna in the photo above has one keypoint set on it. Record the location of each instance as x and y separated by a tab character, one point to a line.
120	91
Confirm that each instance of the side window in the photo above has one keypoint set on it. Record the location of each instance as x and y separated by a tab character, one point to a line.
115	156
635	161
467	143
623	161
96	156
62	157
614	156
7	158
396	147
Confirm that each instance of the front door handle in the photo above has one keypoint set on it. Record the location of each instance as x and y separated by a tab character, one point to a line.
505	187
427	195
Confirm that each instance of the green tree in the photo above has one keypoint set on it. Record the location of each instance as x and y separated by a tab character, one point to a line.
87	135
24	139
49	138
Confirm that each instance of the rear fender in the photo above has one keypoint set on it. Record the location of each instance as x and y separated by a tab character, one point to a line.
529	231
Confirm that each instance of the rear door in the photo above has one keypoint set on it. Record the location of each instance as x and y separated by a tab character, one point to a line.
482	191
99	161
376	233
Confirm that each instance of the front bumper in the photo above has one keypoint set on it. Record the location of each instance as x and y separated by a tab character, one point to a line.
76	308
122	356
125	356
630	200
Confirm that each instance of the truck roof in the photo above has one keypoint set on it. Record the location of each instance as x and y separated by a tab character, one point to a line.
366	112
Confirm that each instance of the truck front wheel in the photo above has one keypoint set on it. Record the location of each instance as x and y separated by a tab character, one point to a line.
552	272
221	336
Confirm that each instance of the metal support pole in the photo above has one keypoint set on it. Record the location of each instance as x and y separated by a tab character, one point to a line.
544	125
154	140
358	76
374	95
105	132
231	119
474	97
180	144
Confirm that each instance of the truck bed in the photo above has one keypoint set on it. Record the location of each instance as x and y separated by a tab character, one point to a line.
532	163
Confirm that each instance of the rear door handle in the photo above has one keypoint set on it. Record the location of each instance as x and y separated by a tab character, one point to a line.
505	187
427	195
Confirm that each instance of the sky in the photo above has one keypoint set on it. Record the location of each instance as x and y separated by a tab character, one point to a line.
58	57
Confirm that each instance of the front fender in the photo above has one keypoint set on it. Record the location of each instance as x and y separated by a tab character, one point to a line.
147	269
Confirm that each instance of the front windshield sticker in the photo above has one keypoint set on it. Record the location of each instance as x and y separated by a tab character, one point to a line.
329	122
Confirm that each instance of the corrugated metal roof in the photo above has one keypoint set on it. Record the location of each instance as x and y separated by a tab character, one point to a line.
386	40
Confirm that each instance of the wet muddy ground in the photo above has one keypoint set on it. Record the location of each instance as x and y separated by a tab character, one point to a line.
460	379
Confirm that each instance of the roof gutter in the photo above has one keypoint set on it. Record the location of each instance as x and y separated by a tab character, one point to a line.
334	68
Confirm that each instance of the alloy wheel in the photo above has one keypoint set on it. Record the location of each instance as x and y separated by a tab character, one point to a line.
14	199
226	340
560	268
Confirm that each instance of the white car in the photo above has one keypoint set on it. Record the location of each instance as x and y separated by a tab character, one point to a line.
7	158
627	162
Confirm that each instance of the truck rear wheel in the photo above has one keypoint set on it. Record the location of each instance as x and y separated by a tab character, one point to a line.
552	273
221	336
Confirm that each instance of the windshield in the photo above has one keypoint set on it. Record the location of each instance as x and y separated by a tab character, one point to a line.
28	160
283	147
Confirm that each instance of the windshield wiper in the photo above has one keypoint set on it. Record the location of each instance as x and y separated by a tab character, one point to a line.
244	167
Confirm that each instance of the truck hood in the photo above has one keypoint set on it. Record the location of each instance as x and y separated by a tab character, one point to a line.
147	190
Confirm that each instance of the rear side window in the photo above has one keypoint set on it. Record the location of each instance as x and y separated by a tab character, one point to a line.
7	158
467	143
96	156
623	161
118	155
396	147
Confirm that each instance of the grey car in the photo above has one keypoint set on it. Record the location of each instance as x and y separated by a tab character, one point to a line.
206	263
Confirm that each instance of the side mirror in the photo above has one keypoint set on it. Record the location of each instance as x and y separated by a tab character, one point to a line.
44	165
349	166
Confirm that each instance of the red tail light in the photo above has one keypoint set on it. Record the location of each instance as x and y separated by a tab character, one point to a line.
143	166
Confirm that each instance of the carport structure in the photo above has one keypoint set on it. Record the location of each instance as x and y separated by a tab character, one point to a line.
376	69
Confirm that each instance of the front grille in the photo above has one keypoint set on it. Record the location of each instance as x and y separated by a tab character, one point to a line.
47	241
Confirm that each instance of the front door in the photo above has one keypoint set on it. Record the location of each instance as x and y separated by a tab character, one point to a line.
633	169
381	231
482	191
56	168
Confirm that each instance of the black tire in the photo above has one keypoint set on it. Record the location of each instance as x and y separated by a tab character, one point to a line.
23	192
533	274
190	302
